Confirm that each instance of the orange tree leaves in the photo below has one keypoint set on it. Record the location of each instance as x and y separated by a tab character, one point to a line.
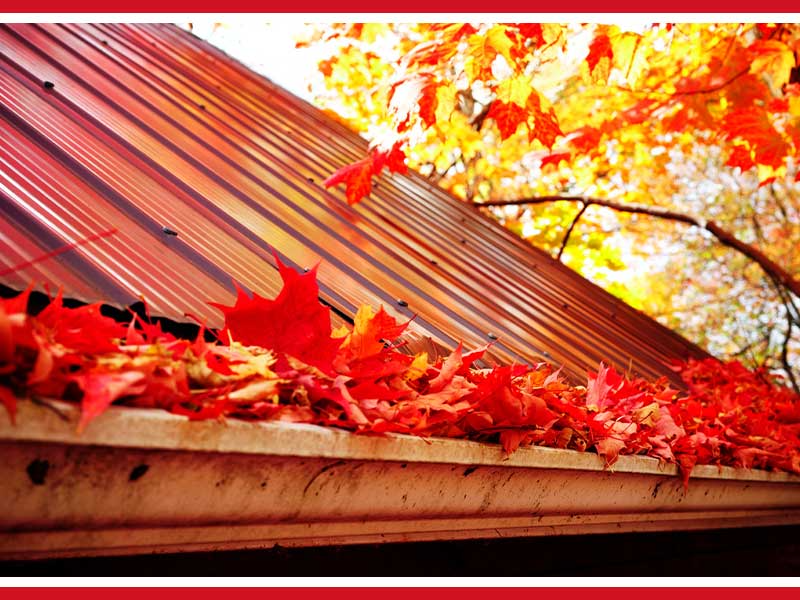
508	116
689	79
753	127
279	360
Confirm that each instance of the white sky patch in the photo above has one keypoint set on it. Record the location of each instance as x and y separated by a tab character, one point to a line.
268	49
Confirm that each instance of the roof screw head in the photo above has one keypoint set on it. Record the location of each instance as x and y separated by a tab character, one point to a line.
564	305
169	231
463	241
546	354
306	269
401	302
491	336
49	85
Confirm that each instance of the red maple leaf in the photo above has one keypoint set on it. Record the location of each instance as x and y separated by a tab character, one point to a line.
357	177
294	323
17	304
599	48
508	117
754	127
585	139
533	32
100	390
427	102
395	159
740	157
554	159
83	329
600	385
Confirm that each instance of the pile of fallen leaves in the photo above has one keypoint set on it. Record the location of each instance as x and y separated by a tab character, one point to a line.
280	360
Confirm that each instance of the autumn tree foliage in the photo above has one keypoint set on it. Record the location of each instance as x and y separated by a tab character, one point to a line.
660	160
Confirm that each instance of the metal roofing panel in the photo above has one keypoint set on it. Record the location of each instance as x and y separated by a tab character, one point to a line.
148	127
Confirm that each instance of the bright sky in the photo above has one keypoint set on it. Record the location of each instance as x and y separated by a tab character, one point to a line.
268	49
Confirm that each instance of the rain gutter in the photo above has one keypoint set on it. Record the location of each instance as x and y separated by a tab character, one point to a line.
145	481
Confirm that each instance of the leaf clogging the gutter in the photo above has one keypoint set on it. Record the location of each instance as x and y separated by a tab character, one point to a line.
279	360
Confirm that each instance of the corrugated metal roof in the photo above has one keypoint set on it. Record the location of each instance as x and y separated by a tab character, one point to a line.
147	127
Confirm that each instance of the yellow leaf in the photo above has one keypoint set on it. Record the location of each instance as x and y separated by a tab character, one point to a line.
515	89
794	106
418	367
445	102
775	60
648	415
628	57
340	332
483	48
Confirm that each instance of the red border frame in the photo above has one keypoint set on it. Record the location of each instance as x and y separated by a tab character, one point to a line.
577	7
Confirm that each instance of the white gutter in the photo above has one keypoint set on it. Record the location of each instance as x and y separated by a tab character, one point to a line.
141	481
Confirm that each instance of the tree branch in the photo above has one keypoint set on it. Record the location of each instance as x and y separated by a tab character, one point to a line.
785	355
726	238
569	231
788	304
714	88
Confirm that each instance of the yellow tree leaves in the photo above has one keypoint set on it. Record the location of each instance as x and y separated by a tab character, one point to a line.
484	48
510	107
699	118
774	60
598	61
511	80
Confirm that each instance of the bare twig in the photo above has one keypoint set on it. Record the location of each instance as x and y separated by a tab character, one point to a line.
569	230
726	238
785	355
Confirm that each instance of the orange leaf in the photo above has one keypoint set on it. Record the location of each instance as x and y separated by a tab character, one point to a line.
369	332
754	127
431	53
507	116
326	66
545	124
533	32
